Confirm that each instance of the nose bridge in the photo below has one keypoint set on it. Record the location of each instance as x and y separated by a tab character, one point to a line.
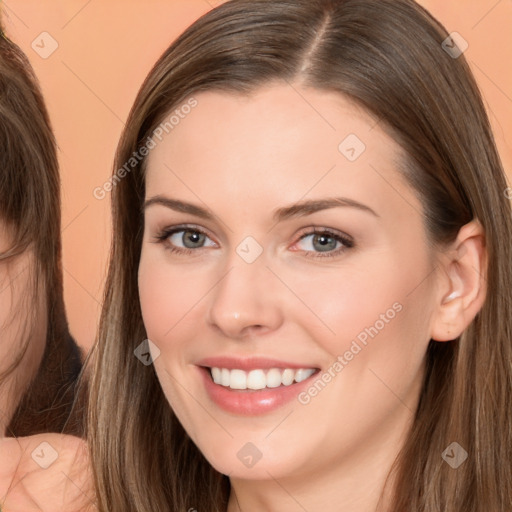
246	297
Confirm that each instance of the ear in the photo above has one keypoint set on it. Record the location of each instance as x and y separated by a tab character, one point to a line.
462	283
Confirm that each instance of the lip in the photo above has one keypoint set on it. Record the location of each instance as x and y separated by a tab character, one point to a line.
250	363
249	402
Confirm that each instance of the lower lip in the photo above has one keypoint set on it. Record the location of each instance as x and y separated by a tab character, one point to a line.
251	402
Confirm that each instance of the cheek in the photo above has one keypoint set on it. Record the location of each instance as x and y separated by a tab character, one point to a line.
374	310
15	289
7	326
23	319
167	295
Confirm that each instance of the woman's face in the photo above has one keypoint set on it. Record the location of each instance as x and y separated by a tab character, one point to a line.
22	320
255	287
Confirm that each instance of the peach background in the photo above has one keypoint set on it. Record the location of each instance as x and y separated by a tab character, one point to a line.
105	49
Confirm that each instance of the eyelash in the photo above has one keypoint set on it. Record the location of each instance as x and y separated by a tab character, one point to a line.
347	242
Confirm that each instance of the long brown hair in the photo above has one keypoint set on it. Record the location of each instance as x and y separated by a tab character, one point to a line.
387	56
30	208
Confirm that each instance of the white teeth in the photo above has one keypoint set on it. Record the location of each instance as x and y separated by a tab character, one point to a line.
225	377
238	379
288	377
217	375
259	379
256	379
301	375
273	378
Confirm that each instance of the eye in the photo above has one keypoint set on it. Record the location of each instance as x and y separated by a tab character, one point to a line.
325	243
189	237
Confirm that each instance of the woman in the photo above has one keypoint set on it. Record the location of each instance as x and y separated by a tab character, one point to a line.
306	247
41	469
40	361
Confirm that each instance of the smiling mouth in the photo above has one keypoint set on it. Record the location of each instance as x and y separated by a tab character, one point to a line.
257	379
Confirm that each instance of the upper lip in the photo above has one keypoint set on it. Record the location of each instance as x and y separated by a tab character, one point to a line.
250	363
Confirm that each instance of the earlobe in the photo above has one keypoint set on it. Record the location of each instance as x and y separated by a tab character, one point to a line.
462	287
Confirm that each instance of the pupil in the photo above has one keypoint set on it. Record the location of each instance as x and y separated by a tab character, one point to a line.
194	236
323	239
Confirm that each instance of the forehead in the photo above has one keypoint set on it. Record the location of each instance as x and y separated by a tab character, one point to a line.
279	144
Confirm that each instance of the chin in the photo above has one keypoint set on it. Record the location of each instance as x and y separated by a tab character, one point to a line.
246	461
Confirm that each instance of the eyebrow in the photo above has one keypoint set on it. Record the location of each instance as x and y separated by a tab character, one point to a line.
299	209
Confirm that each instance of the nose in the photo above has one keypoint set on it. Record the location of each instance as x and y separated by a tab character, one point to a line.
246	301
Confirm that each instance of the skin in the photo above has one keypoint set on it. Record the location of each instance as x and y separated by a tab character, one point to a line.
18	321
242	158
63	486
25	486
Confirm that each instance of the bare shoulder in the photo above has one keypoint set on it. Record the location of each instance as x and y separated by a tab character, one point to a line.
45	472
